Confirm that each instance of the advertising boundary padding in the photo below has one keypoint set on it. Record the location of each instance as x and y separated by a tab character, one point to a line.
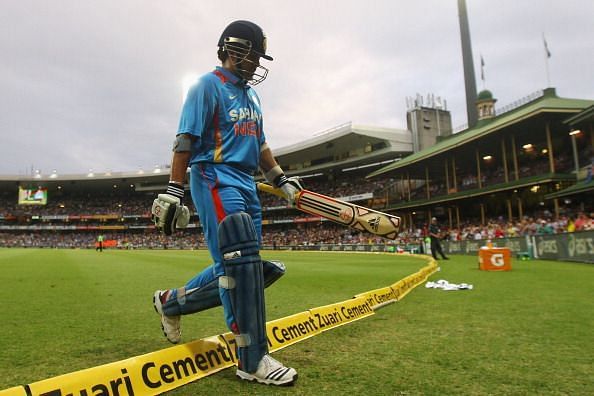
166	369
569	246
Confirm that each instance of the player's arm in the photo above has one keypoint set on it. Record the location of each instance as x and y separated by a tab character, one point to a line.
274	174
168	211
179	166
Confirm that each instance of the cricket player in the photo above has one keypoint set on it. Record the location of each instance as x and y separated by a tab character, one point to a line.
221	137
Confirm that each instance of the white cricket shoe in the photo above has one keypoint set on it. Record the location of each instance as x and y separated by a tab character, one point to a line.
270	372
170	324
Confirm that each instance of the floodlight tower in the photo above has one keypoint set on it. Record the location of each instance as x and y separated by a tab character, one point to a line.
467	60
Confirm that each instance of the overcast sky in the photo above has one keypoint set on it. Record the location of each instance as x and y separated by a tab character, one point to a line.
98	84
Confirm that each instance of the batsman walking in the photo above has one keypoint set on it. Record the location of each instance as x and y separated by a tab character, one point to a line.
221	138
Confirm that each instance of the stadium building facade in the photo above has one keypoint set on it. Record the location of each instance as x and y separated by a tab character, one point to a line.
523	159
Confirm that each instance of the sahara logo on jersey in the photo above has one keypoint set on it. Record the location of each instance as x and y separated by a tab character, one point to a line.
247	121
244	113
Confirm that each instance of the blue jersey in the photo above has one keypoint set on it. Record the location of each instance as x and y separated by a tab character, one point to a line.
224	114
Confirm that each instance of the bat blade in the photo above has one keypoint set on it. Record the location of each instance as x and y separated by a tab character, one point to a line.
348	214
341	212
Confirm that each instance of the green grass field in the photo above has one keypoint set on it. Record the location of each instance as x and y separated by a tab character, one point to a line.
528	331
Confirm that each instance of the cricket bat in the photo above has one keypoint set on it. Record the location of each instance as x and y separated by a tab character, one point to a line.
341	212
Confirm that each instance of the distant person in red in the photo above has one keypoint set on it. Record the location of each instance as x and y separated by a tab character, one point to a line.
580	222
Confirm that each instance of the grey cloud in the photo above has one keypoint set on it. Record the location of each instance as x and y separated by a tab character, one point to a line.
98	84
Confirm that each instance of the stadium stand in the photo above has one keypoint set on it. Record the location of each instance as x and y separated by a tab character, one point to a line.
533	183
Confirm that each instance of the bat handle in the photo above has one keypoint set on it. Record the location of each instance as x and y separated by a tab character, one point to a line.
267	188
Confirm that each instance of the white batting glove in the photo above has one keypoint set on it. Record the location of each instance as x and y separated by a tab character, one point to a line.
290	186
167	211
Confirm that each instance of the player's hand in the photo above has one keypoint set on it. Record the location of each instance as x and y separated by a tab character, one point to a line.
168	213
290	186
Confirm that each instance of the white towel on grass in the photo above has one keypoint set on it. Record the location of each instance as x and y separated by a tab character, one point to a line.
445	285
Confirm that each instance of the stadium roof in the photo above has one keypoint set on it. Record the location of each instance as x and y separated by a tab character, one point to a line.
104	181
583	187
340	133
549	102
585	115
346	145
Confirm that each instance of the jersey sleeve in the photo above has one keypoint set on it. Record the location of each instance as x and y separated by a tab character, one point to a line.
198	109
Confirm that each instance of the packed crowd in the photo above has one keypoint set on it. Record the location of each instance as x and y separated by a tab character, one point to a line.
83	205
283	232
328	233
527	226
304	234
88	240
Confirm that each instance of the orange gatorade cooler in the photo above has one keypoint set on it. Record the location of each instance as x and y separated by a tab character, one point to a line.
494	259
